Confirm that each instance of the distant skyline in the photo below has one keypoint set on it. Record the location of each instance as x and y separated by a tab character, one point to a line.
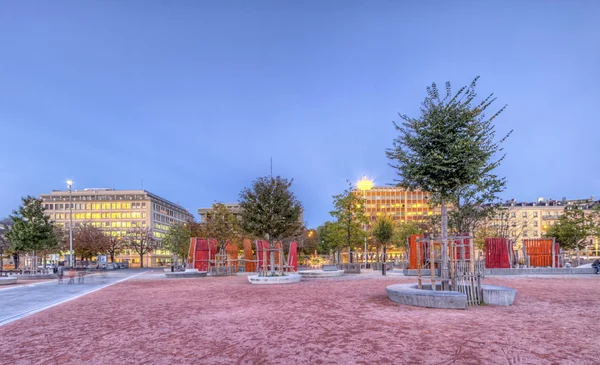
196	97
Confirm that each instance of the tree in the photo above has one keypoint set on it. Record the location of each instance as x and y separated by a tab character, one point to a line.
349	210
32	229
177	240
5	225
89	241
573	227
141	241
222	225
383	233
331	237
448	149
270	211
403	230
115	244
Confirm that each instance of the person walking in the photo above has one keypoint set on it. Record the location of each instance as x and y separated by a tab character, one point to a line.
60	271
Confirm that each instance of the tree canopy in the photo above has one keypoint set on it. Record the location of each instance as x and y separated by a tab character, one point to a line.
222	225
32	229
270	209
574	226
349	211
177	240
450	148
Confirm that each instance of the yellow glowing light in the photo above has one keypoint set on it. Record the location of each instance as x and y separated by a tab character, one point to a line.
364	184
69	182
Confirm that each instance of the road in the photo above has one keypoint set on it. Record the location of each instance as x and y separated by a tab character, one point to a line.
23	300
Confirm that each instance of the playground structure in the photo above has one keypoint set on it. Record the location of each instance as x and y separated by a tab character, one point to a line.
538	252
205	257
449	268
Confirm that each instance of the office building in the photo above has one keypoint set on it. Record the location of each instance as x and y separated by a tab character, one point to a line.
117	212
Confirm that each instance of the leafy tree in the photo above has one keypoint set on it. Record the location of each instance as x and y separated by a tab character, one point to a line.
403	230
331	237
349	210
270	210
222	225
383	233
5	225
573	227
141	241
177	240
115	244
450	148
32	229
89	241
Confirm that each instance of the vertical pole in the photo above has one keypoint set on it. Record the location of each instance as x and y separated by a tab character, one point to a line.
70	227
432	263
444	248
365	206
452	265
418	247
552	248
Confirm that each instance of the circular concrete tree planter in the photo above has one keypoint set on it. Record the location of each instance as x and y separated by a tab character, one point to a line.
409	294
313	274
269	280
188	273
8	280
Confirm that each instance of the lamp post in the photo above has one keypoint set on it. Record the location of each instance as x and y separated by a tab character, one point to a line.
69	185
365	184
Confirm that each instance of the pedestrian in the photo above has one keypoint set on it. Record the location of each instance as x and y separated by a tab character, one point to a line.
596	265
60	272
71	274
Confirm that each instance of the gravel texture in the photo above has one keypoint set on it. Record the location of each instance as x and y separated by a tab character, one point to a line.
347	320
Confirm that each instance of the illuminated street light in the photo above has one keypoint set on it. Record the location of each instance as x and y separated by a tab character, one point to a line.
365	184
70	185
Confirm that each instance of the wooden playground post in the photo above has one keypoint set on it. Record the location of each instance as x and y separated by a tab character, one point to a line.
553	253
432	263
474	290
418	247
264	267
452	265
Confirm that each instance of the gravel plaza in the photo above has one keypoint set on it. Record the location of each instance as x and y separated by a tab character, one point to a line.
345	320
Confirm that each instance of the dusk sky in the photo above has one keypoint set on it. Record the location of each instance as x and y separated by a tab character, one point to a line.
194	97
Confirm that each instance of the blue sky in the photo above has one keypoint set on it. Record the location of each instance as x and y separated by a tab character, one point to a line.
194	97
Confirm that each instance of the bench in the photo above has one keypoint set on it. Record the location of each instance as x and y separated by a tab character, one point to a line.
330	268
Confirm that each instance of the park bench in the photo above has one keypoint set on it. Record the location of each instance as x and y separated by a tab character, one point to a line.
330	268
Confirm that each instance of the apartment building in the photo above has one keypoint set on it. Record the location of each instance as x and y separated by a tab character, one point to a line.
526	220
117	212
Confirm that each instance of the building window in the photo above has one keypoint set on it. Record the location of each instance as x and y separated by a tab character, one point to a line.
535	214
535	223
513	215
524	233
524	214
535	233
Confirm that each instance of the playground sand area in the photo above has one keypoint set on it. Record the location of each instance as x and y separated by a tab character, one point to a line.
348	320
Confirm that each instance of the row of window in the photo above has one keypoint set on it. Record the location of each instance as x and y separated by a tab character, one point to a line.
96	206
534	214
163	218
161	226
132	215
169	212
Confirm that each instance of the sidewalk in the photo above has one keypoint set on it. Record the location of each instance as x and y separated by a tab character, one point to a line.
23	300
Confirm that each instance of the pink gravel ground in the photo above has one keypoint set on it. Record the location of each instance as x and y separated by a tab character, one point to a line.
324	321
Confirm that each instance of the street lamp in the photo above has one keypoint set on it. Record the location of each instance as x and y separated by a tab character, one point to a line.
365	184
70	185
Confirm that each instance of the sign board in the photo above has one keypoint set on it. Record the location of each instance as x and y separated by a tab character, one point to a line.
102	259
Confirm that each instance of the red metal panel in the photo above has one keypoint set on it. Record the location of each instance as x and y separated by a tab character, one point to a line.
539	251
293	256
497	253
412	243
249	256
201	254
260	247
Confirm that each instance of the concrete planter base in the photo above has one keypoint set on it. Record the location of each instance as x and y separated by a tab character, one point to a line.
409	294
37	276
269	280
309	274
189	273
8	280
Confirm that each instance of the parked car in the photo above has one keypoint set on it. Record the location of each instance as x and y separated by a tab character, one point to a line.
125	264
110	266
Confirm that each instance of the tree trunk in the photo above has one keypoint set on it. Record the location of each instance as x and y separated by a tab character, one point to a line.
16	260
112	257
444	256
142	259
272	259
577	251
383	260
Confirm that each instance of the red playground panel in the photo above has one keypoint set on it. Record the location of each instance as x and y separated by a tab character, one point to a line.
539	251
202	251
497	253
293	256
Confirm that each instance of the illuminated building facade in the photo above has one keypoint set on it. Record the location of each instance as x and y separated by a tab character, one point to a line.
398	203
117	212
